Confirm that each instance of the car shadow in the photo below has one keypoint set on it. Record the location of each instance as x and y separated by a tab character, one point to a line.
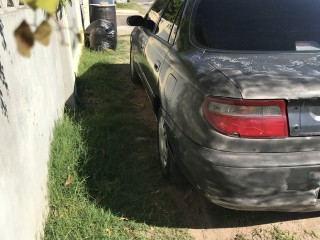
202	214
122	172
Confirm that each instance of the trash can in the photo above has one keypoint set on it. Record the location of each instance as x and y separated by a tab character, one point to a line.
99	1
107	12
101	35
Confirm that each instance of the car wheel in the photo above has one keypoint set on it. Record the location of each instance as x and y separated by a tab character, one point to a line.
169	169
134	75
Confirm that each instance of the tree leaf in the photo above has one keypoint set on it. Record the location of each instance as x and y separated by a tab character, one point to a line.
50	6
24	38
68	181
43	32
80	36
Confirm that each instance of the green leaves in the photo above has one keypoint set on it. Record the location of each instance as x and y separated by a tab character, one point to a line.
50	6
25	37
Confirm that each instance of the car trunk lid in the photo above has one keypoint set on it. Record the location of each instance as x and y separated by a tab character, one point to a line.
270	76
290	76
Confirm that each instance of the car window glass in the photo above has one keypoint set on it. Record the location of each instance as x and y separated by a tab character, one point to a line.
273	25
168	18
175	26
154	14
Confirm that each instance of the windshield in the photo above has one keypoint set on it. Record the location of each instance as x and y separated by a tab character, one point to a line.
258	25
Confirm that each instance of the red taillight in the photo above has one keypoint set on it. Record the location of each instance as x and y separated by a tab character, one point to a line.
247	118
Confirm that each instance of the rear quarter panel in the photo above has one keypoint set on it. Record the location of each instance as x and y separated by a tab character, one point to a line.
193	80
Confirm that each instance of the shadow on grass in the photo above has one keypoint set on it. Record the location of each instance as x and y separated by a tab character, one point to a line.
122	170
123	173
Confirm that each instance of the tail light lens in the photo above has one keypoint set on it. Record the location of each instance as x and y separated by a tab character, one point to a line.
247	118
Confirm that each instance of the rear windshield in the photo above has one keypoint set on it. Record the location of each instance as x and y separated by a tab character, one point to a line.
258	25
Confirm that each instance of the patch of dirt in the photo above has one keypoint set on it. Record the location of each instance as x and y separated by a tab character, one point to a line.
205	220
143	106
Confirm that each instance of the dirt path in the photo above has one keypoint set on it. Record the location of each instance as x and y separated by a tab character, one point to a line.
209	221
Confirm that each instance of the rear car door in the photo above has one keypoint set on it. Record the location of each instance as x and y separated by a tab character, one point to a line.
159	44
140	36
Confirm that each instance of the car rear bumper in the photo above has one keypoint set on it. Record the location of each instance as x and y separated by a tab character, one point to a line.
252	181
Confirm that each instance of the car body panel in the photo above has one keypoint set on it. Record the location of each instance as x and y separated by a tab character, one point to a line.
280	174
269	181
139	38
185	107
304	117
155	53
270	75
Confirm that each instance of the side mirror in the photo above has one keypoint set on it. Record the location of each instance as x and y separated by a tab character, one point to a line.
149	24
135	20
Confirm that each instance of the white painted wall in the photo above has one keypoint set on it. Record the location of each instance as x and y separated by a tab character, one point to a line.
75	26
85	13
32	97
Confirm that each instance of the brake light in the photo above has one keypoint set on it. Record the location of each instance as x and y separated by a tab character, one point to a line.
247	118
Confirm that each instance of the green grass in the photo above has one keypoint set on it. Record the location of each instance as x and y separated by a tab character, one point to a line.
116	186
277	234
129	5
132	6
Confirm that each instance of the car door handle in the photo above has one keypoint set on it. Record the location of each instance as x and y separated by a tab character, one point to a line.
157	65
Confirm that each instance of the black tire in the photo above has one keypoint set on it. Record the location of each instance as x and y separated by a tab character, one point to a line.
169	169
133	73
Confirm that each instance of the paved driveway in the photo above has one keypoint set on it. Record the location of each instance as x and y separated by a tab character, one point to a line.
122	14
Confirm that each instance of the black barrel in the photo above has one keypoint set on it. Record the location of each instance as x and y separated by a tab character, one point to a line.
99	1
106	12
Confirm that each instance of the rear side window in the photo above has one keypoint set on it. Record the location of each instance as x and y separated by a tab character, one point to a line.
155	12
168	18
258	25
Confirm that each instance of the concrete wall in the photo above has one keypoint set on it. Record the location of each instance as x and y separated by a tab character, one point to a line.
85	13
32	96
74	22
